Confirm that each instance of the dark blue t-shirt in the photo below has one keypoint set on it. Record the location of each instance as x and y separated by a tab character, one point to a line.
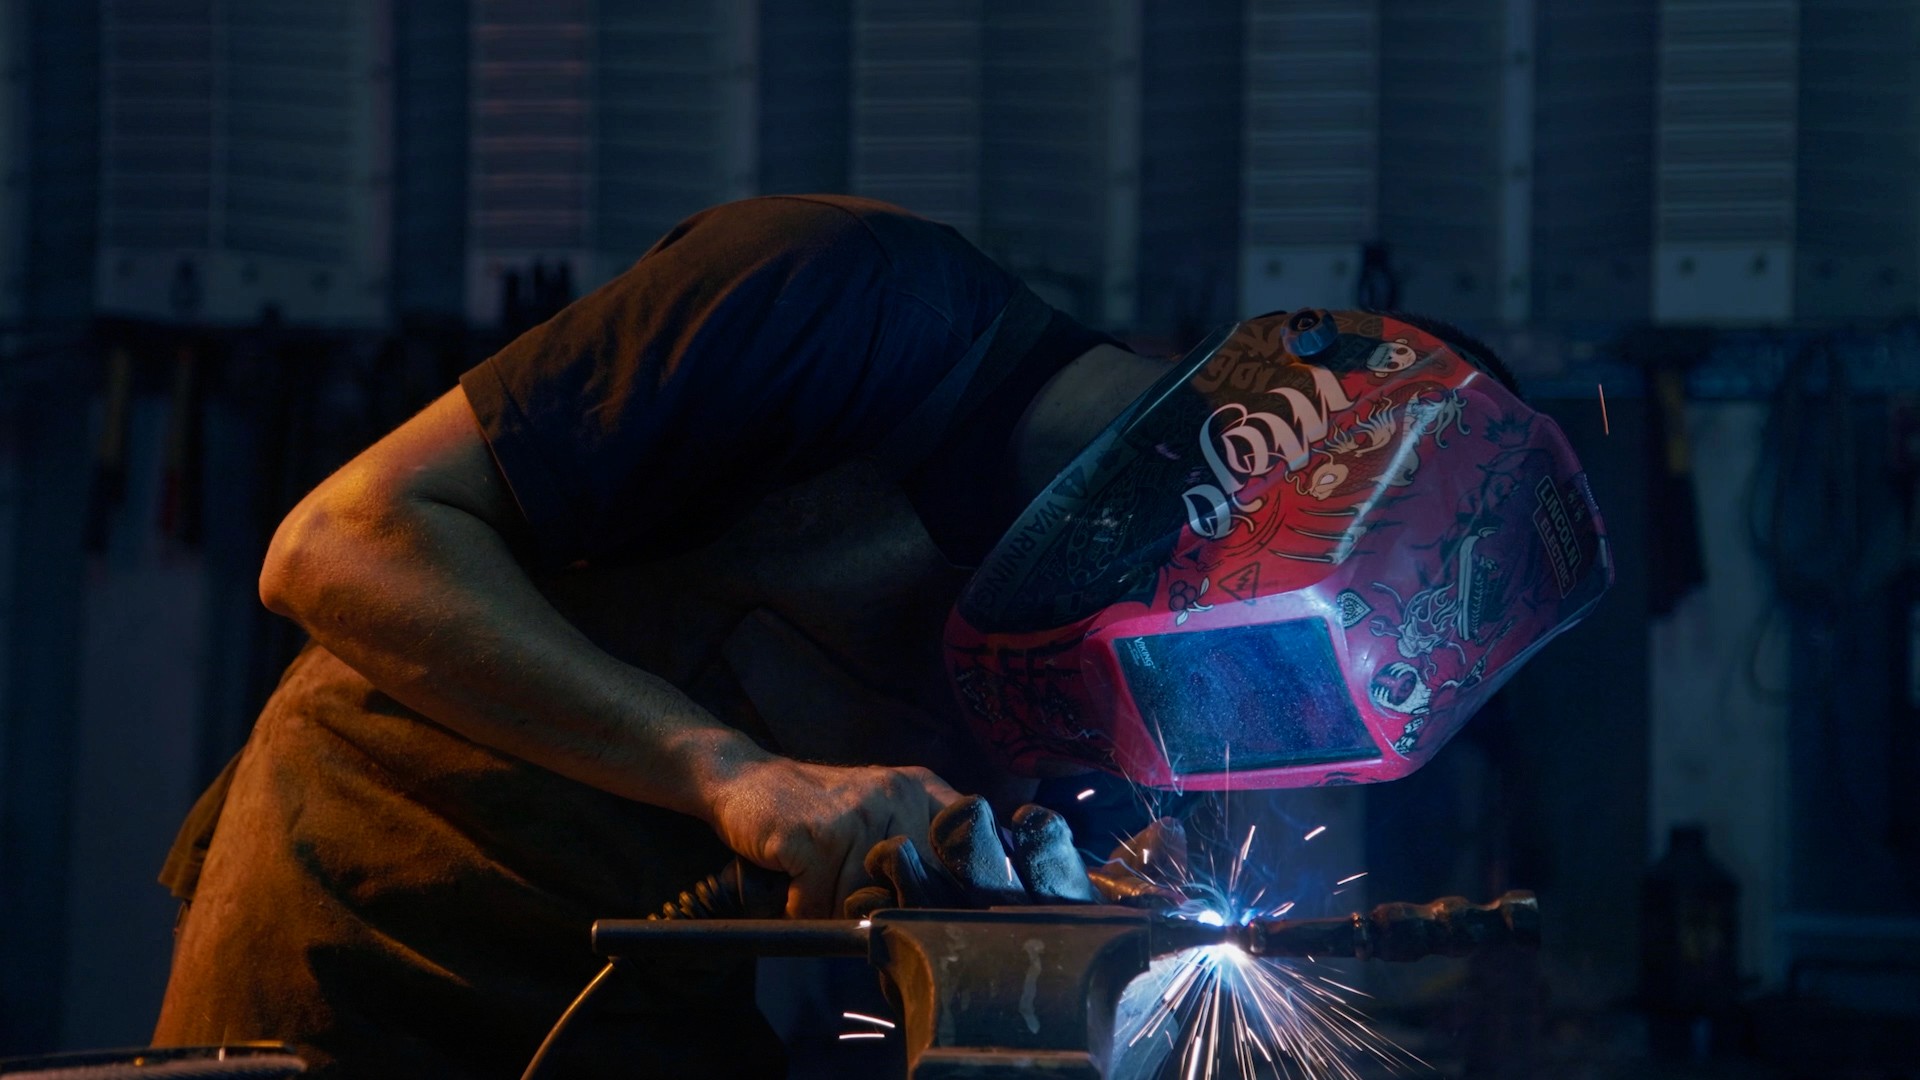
756	344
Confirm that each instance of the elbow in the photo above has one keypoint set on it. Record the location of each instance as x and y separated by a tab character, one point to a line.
290	558
317	550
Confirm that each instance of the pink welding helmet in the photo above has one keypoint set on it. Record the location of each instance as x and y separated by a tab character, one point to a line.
1306	556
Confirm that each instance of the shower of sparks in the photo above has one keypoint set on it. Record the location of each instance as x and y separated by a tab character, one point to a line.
1605	428
1219	1012
1085	795
1317	830
1226	1013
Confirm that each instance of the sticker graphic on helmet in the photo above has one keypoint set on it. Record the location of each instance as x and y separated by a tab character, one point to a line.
1351	608
1391	357
1239	444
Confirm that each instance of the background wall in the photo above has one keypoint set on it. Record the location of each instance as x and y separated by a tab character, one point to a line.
240	240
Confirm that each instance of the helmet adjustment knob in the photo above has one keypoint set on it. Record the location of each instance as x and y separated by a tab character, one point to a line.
1310	332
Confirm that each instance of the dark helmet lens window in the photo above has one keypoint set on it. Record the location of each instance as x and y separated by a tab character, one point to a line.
1268	696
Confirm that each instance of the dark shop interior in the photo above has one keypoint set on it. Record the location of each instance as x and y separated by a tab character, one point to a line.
1147	539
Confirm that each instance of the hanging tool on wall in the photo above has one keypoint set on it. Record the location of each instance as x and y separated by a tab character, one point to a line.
1678	564
180	477
109	483
1903	758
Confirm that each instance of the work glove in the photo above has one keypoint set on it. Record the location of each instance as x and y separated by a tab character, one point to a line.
976	864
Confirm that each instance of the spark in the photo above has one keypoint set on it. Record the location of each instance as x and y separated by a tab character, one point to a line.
1351	878
1232	1012
1233	872
1605	428
862	1035
1085	795
864	923
1318	829
1010	878
865	1019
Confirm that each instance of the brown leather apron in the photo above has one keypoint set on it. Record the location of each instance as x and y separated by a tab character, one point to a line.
397	900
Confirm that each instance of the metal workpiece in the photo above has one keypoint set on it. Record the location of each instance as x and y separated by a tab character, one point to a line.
1450	926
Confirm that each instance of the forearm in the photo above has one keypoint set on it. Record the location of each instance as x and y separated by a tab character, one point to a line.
429	603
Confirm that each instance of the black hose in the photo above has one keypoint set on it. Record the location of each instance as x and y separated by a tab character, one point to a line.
738	890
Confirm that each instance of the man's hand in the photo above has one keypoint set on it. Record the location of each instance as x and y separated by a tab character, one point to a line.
816	823
1036	863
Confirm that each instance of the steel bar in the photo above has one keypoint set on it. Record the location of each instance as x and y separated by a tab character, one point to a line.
729	937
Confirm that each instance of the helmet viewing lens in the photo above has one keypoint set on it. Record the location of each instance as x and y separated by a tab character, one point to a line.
1246	697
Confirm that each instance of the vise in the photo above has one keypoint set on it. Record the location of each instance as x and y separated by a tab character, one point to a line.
1031	991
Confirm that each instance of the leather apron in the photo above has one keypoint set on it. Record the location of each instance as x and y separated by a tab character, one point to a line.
397	900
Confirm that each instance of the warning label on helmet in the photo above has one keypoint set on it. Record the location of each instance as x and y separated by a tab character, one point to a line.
1557	534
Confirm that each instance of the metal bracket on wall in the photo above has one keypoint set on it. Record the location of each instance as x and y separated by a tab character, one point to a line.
1735	364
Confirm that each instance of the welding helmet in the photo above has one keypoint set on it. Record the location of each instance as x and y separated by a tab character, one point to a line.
1305	556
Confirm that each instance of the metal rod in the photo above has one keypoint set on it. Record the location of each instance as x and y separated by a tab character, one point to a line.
729	937
1447	927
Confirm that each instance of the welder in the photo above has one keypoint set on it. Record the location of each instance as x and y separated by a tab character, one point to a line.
807	524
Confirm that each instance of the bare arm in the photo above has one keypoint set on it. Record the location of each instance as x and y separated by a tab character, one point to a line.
401	565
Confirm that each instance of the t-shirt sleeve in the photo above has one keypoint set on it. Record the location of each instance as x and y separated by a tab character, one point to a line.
754	345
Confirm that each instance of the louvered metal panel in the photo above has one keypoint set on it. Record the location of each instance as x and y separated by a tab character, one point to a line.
1443	160
805	87
1726	144
287	130
245	160
1856	231
675	129
1312	154
431	41
14	133
62	132
1192	65
13	235
530	174
1045	168
917	125
1593	152
160	79
306	159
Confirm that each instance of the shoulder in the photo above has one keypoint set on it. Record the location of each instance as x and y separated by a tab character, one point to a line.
922	257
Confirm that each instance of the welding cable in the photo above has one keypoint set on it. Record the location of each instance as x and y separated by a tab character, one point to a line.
737	890
579	1005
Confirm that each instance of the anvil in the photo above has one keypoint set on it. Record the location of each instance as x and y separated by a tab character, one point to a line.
1031	991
